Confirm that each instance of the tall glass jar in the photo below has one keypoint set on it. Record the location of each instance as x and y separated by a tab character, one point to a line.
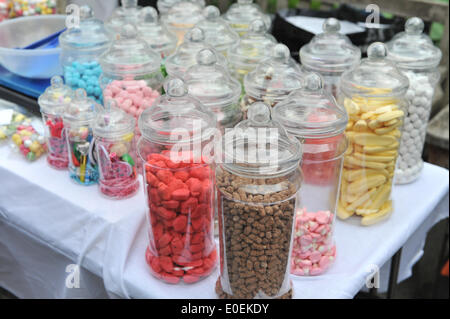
179	185
242	13
78	122
127	13
312	115
418	58
257	183
114	144
165	5
254	46
374	96
330	54
53	103
272	80
81	46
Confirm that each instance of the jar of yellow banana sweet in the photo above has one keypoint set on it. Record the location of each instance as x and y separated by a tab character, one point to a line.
373	94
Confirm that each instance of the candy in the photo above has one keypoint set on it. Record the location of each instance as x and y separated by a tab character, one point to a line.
25	139
85	75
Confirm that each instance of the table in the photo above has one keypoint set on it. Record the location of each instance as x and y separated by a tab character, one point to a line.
48	223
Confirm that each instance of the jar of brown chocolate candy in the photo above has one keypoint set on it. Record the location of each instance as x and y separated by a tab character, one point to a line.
257	183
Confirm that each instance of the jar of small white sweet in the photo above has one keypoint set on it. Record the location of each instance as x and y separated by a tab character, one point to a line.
418	58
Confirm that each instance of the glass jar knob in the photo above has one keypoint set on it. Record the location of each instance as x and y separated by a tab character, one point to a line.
281	53
128	32
313	82
376	51
129	4
195	35
175	88
149	15
211	12
259	113
206	57
258	26
56	81
86	12
331	25
414	26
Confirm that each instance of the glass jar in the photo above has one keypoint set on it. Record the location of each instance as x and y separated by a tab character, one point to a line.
127	13
416	56
272	80
374	96
155	33
312	115
114	144
81	46
78	120
185	56
211	84
164	5
182	17
53	103
257	183
242	13
179	186
330	54
253	47
217	32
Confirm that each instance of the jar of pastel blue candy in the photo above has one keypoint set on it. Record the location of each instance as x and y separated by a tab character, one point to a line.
81	47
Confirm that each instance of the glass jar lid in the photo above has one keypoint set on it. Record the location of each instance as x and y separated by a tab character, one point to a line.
130	55
176	117
260	146
56	97
112	122
184	14
165	5
128	12
412	49
375	76
155	33
90	33
242	13
81	109
311	112
330	51
275	77
217	31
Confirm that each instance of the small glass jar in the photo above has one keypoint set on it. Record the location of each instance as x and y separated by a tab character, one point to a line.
241	14
416	56
179	185
257	183
155	33
185	56
78	122
312	115
211	84
253	47
330	54
81	46
182	17
127	13
272	80
374	96
165	5
114	144
217	32
53	103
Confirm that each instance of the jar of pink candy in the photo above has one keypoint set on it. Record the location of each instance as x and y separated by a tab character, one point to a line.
312	115
113	134
53	103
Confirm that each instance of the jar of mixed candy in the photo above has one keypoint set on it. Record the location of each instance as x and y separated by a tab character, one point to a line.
257	184
241	14
81	47
416	56
164	5
53	104
179	185
374	96
127	13
24	8
312	115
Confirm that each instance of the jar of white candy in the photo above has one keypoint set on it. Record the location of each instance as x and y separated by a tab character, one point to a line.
415	55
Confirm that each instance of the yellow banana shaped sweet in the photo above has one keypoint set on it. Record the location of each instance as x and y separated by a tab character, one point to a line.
370	139
382	214
361	200
365	183
374	158
353	175
342	212
390	115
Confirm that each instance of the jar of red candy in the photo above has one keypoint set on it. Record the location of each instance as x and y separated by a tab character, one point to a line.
179	186
114	143
53	103
312	115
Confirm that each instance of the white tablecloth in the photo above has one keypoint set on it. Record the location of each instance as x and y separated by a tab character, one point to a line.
47	223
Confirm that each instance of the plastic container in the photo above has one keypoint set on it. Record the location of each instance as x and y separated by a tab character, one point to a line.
179	186
155	33
28	142
217	32
114	143
416	56
53	104
81	47
182	17
330	54
241	14
165	5
211	84
257	200
312	115
185	56
127	13
78	121
374	96
254	47
272	80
